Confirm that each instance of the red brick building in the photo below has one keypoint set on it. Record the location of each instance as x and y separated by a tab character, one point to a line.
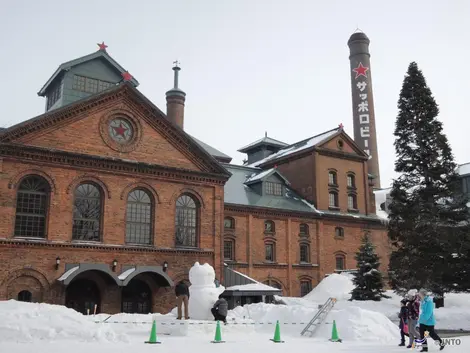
107	201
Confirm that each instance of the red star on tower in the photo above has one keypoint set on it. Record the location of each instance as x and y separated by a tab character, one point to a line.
361	71
341	125
119	130
102	46
126	76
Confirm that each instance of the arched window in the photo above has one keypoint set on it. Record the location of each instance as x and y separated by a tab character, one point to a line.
269	227
303	229
339	232
229	250
270	252
340	262
229	223
332	178
87	213
186	221
333	199
351	180
352	202
139	217
273	283
25	296
304	253
305	286
32	204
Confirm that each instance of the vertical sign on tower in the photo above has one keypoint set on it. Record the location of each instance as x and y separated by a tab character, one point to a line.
363	102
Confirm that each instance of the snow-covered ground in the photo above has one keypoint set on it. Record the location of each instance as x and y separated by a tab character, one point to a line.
363	326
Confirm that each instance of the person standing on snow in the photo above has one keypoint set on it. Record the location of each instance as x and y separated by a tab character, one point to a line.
182	297
413	315
426	320
219	310
403	315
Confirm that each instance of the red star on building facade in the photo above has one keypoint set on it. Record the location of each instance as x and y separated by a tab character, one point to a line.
102	46
126	76
341	125
119	130
361	71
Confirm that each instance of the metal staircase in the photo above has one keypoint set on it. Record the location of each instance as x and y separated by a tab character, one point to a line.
319	317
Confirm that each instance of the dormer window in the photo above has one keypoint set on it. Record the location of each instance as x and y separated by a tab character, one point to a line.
89	85
54	96
273	188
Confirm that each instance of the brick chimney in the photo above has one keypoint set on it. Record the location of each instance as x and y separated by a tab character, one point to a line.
175	99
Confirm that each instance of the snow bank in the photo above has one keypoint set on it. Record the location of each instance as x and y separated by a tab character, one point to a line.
30	322
337	286
353	322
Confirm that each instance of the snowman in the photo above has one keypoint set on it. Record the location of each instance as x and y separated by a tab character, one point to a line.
203	292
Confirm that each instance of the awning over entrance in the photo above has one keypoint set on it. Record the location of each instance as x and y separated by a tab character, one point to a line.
130	273
73	270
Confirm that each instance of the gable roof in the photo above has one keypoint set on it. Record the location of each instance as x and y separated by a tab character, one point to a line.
236	192
264	175
264	141
220	156
69	64
186	142
306	144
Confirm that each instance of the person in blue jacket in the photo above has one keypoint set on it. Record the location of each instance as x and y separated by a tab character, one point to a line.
426	320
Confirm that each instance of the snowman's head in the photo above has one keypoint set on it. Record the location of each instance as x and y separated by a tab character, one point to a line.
202	275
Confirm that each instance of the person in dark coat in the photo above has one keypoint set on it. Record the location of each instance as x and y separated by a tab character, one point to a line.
182	297
220	309
403	315
413	315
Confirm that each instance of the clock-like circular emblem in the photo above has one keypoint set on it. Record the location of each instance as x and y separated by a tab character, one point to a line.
120	130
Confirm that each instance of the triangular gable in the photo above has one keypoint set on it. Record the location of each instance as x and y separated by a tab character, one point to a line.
125	92
67	65
264	175
331	143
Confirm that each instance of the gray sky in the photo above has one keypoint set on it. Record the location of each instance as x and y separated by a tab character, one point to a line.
249	66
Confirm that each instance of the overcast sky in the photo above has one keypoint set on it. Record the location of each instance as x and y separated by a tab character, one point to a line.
249	66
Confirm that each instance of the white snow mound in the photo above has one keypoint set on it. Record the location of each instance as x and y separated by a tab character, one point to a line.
337	286
30	322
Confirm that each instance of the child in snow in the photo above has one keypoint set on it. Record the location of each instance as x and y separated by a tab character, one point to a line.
403	315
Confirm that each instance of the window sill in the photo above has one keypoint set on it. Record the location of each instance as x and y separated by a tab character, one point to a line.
30	238
339	238
334	208
353	210
352	187
304	264
333	185
137	245
271	234
304	235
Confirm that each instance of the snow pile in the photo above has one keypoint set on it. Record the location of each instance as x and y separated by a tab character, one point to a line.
30	322
353	323
337	286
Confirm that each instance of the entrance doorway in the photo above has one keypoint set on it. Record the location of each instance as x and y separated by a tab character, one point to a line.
136	298
82	295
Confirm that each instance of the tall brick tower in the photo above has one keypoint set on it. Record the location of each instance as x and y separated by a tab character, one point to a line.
363	101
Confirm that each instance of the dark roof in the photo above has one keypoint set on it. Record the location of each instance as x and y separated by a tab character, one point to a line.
238	193
67	65
298	146
220	156
265	141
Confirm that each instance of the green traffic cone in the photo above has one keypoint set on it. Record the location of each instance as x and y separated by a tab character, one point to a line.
334	333
153	334
218	334
277	334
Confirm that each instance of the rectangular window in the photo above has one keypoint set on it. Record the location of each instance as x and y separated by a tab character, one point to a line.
304	253
78	83
352	202
333	199
351	181
273	188
305	288
228	250
332	178
91	85
339	263
269	250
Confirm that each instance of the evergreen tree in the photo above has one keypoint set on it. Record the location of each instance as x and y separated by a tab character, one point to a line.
428	220
368	279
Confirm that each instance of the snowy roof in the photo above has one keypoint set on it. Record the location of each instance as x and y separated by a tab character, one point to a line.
264	141
238	193
264	174
297	147
68	273
126	273
464	169
254	287
222	157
